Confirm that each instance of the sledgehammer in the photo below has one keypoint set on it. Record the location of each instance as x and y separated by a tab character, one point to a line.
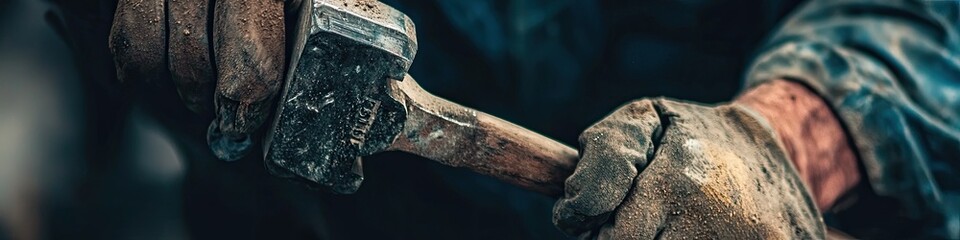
348	95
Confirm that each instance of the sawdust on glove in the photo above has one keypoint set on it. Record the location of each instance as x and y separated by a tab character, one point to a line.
231	49
661	168
225	58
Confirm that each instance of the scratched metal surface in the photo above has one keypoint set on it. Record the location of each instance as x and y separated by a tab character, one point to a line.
371	23
335	108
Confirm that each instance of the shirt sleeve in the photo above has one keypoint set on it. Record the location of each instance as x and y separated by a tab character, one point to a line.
890	70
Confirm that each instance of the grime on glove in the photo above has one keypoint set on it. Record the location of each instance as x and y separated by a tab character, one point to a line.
225	58
662	168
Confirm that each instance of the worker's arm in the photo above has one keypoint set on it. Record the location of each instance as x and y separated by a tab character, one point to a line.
840	81
889	71
812	136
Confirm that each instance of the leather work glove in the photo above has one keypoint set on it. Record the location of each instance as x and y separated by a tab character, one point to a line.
223	56
658	168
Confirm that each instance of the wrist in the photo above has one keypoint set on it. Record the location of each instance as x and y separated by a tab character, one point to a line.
812	135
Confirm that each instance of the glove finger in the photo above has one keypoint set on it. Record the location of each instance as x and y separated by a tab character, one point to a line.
613	151
189	49
644	215
138	40
249	53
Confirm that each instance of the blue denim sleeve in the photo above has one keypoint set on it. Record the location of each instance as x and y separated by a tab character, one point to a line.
890	70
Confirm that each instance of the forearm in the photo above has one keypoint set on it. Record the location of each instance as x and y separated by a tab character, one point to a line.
813	137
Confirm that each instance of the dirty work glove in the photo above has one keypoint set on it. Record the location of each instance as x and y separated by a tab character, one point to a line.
662	168
223	56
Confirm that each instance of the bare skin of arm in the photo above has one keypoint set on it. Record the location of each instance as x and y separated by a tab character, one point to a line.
809	130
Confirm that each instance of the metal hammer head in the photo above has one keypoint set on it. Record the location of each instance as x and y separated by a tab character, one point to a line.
336	107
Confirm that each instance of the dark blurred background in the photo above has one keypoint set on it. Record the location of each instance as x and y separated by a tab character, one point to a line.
81	158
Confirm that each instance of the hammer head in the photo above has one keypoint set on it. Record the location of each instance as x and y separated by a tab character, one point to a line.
336	106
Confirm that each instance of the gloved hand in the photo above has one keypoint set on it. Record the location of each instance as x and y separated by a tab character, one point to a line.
661	168
238	43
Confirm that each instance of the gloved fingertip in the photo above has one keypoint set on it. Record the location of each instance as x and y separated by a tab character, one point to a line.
137	40
189	56
237	117
228	147
569	218
249	46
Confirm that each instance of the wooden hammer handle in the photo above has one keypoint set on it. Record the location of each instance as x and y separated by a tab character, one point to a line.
458	136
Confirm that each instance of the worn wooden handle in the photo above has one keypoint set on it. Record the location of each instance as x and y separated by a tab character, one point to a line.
462	137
